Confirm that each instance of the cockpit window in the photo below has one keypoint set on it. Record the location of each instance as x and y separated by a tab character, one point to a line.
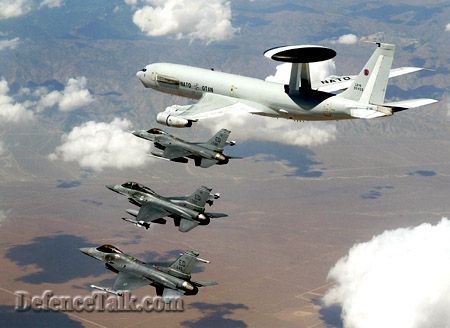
109	249
138	187
156	131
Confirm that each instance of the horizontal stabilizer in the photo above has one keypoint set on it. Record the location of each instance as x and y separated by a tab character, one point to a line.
216	215
204	283
404	70
205	163
169	295
187	225
398	106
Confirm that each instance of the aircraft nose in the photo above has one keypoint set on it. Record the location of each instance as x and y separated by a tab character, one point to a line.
86	250
111	187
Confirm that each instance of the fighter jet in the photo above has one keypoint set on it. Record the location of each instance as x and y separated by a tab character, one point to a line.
302	99
187	211
178	150
171	281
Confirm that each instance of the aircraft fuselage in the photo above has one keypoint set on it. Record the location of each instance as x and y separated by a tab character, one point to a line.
192	82
176	207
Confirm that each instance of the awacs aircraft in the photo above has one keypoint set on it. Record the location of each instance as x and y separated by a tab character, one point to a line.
187	211
301	99
177	150
171	281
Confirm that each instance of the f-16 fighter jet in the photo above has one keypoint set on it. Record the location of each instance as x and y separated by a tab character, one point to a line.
171	281
302	99
177	150
187	211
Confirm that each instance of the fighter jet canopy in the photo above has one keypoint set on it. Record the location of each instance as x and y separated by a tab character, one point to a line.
156	131
138	187
109	249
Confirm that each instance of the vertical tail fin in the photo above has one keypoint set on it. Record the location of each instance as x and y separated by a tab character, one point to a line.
370	85
218	140
184	264
199	197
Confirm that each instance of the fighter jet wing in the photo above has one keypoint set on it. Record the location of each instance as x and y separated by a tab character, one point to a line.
187	225
170	294
128	281
149	213
213	105
172	152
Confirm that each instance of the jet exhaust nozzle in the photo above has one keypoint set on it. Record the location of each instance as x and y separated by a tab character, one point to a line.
201	217
220	157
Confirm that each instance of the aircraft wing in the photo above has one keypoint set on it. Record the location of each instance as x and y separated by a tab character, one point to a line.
149	213
338	83
212	105
172	152
128	281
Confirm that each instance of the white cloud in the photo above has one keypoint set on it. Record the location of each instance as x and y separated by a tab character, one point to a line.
131	2
2	148
3	216
398	279
74	96
245	126
50	3
206	20
9	44
346	39
447	102
14	8
103	145
10	110
447	27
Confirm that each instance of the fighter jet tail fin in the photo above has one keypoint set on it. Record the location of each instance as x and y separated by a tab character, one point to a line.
369	87
199	197
185	263
218	141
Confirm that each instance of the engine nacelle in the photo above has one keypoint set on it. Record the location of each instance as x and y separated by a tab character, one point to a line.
174	121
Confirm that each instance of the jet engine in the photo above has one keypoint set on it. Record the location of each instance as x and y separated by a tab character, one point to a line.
174	121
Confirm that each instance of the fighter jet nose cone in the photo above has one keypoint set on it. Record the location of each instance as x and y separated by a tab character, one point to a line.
111	187
85	250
